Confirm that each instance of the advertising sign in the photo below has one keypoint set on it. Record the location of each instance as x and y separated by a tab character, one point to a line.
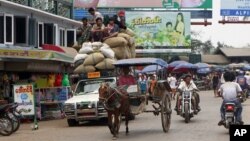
24	96
187	3
85	3
156	3
160	29
235	8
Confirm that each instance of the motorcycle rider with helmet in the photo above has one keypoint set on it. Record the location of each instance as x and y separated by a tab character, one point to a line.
230	91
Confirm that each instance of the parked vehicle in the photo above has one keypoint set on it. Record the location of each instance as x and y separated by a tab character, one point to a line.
6	124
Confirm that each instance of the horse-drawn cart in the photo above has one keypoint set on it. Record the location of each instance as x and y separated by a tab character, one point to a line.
160	95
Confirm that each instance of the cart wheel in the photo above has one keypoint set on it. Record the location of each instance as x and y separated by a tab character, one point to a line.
166	112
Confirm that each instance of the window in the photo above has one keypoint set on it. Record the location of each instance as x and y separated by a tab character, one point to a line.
20	30
48	33
1	28
62	37
9	29
40	34
71	37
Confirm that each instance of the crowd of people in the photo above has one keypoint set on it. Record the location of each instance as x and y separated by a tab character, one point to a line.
98	28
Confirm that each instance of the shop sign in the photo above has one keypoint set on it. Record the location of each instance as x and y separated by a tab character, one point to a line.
235	8
94	75
24	96
160	29
8	53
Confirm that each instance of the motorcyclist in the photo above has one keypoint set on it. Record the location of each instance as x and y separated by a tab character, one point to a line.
242	80
188	84
229	91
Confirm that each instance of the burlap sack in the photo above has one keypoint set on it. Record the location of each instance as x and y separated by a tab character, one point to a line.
106	64
132	49
130	32
76	47
94	59
87	44
80	57
107	52
84	69
78	63
86	50
124	35
119	52
128	52
116	42
97	44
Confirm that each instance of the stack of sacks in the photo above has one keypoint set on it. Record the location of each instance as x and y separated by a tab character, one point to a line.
123	45
94	56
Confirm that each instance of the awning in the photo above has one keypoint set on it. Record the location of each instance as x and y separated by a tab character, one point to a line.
9	53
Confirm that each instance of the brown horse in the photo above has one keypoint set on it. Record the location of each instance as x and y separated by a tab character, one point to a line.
116	102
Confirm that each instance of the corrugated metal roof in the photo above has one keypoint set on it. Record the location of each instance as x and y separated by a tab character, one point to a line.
214	59
236	52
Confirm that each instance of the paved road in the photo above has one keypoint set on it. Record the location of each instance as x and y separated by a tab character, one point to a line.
146	127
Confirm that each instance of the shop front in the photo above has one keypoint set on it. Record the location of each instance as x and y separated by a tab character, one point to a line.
48	71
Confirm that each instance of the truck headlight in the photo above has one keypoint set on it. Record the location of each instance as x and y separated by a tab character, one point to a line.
91	105
69	107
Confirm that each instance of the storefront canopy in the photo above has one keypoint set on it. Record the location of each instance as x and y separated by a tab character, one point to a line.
36	54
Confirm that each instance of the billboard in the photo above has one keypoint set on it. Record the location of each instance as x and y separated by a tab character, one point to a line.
156	3
24	96
85	3
235	8
160	29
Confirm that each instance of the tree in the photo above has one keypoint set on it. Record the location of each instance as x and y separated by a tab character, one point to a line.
207	47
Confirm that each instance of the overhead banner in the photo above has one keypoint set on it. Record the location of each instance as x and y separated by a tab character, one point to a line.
24	96
187	3
156	3
85	3
235	8
160	29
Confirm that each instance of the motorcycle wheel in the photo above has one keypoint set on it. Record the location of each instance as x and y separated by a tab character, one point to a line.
8	121
186	114
15	120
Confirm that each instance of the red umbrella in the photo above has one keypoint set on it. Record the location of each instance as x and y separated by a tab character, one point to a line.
172	65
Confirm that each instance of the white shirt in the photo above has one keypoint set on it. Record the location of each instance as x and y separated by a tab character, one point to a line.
248	79
172	82
98	15
184	87
230	90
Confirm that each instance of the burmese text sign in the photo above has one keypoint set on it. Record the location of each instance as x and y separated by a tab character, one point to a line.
160	29
24	96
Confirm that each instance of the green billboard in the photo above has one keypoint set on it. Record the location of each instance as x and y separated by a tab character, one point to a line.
160	29
187	3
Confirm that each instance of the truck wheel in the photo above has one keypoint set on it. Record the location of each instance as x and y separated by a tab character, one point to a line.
72	122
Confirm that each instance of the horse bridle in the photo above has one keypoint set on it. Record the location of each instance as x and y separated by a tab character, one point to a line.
108	94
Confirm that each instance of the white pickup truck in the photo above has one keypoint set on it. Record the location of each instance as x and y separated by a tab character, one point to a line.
84	105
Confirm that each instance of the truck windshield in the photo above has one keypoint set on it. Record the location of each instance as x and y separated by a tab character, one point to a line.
88	86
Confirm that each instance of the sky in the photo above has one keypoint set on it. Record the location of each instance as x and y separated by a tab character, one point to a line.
237	35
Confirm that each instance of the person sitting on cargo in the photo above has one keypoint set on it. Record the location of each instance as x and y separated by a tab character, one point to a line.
98	30
95	14
84	32
126	79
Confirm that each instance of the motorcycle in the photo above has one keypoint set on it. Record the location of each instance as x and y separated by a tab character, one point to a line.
14	116
6	125
187	109
230	114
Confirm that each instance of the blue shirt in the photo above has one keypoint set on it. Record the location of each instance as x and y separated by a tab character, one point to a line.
143	85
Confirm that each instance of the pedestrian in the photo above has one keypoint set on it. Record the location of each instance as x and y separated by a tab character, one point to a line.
172	82
143	84
215	81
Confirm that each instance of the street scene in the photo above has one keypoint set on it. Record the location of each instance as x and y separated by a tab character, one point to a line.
141	70
144	127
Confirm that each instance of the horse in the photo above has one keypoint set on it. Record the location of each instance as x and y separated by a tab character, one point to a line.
116	103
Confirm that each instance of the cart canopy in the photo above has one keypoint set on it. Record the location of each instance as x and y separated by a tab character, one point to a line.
140	62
